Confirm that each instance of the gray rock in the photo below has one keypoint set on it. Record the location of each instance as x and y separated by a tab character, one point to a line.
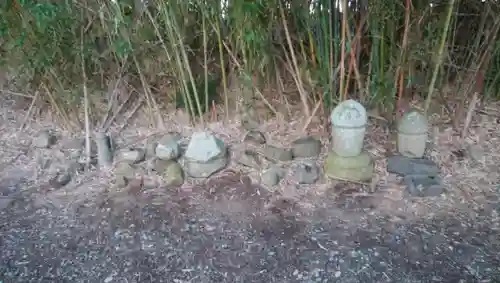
160	165
205	155
167	152
62	179
75	154
423	185
168	147
133	155
306	173
204	169
272	176
255	137
277	154
402	165
45	139
306	147
250	158
75	143
204	147
123	172
173	174
74	167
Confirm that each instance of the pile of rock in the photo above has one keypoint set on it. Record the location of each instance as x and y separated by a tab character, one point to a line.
305	150
421	176
203	156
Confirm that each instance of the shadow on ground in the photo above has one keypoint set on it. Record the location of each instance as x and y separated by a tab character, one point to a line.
232	233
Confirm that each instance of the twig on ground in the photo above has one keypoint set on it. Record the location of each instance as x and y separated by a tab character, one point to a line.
17	93
350	181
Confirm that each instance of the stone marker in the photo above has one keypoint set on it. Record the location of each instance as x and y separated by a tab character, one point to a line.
348	128
412	134
205	155
306	147
403	165
348	160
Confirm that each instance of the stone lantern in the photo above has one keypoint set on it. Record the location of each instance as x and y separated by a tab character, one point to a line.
347	160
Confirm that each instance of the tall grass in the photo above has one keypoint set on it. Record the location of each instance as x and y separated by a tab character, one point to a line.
372	53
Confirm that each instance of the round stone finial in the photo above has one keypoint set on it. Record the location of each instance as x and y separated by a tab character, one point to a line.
349	113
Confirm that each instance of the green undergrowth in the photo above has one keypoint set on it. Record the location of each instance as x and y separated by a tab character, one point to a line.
57	46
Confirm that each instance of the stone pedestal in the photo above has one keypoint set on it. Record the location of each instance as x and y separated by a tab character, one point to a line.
354	168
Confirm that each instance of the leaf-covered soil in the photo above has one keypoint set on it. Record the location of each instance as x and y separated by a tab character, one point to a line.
230	231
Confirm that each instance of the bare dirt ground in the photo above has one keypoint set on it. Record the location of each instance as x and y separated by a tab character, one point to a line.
230	230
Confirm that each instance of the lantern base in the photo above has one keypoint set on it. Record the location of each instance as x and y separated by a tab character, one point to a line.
356	168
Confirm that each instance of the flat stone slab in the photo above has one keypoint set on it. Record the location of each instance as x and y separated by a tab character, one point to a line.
402	165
